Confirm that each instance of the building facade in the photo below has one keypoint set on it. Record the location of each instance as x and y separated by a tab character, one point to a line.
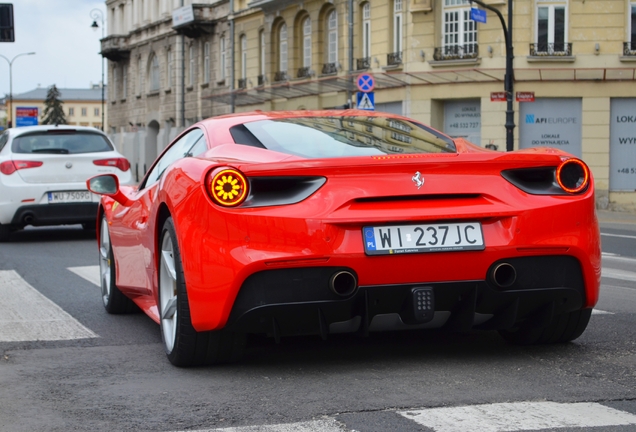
574	69
82	107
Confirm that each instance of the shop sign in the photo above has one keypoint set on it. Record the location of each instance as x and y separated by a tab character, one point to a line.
552	122
622	144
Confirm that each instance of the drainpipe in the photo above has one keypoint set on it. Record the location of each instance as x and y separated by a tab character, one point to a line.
182	78
232	77
350	86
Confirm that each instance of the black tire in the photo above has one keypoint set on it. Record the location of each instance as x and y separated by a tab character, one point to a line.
185	346
114	301
563	328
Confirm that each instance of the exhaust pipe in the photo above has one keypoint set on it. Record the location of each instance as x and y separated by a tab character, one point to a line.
28	219
503	275
343	283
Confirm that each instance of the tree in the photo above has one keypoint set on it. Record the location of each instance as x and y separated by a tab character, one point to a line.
53	113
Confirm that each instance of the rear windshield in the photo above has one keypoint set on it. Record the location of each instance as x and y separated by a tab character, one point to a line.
61	142
329	137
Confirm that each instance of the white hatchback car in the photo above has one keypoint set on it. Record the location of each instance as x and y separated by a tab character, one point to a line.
43	173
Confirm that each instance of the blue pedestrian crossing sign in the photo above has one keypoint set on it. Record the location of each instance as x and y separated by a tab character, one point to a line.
366	101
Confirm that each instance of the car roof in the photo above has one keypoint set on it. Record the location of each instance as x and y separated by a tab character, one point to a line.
42	128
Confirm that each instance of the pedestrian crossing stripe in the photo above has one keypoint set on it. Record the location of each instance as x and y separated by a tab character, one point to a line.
27	315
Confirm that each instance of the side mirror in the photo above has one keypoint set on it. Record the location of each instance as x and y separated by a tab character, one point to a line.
107	184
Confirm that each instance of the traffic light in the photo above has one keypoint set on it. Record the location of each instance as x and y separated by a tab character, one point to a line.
7	33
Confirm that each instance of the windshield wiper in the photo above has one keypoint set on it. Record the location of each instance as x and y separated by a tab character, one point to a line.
51	150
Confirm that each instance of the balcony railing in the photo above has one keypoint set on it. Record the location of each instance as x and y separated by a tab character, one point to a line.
550	49
280	76
261	80
363	63
629	48
394	59
242	83
456	52
329	68
304	72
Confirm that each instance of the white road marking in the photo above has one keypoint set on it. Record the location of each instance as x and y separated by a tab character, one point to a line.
27	315
618	235
326	425
519	416
601	312
618	274
613	257
90	273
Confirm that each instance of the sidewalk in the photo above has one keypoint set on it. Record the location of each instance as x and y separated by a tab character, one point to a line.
615	217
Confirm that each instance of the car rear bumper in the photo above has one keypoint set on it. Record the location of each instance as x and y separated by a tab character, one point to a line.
287	302
55	214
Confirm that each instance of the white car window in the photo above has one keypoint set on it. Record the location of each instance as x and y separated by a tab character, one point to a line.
61	142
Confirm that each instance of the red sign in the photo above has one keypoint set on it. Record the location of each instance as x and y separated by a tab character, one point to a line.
26	112
525	96
497	96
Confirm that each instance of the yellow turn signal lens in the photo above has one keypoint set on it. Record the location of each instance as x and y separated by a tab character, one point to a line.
573	176
228	187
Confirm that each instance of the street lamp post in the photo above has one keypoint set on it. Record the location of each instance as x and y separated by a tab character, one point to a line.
509	78
97	14
10	122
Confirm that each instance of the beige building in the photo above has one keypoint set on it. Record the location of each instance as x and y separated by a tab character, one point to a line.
575	65
82	107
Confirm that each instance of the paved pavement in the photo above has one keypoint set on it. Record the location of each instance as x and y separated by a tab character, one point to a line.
607	217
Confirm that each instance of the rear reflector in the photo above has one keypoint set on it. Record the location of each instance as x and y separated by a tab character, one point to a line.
121	163
9	167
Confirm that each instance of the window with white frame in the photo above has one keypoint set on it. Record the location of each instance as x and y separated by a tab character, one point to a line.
191	70
243	56
551	27
262	53
307	42
282	48
222	54
140	75
460	32
397	26
332	37
96	112
169	68
84	112
366	30
124	82
206	62
154	73
71	112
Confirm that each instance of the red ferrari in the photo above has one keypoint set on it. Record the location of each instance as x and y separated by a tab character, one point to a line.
295	223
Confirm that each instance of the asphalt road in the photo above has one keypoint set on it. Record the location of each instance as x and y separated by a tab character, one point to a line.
111	373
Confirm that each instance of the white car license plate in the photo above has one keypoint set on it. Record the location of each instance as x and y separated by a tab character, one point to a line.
442	237
69	196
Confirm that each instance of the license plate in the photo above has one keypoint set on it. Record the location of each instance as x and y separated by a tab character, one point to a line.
70	196
442	237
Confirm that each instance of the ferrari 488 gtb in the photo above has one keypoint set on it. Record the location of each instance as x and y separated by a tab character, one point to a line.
293	223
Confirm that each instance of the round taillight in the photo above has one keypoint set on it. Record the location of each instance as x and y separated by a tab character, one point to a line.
573	176
228	187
